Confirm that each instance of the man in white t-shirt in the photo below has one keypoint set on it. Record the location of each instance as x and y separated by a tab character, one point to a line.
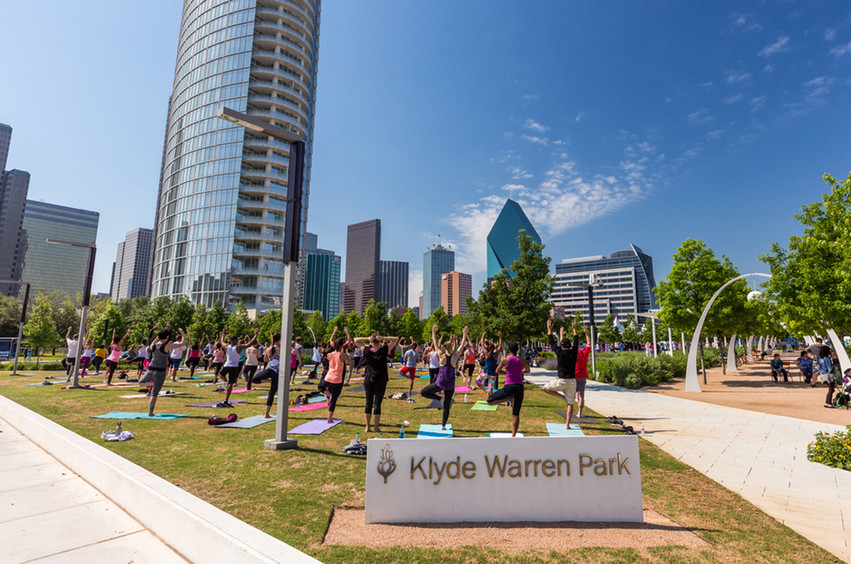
175	357
70	358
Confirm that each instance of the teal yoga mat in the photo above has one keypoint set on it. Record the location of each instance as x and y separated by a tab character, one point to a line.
126	415
434	432
247	423
558	430
483	406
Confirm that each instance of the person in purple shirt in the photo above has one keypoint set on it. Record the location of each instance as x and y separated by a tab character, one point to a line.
444	383
513	367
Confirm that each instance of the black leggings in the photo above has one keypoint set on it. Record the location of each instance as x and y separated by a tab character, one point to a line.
830	387
249	370
374	395
507	392
334	390
430	392
468	368
432	374
262	375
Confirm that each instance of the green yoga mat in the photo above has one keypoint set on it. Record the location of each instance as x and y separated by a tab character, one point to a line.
483	406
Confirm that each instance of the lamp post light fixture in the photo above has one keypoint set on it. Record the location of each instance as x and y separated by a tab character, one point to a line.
87	294
23	320
292	234
591	284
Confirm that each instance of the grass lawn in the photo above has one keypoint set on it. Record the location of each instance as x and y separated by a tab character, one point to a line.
291	494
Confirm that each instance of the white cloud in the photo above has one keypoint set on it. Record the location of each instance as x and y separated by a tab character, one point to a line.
415	286
537	140
744	23
579	116
733	99
815	96
528	97
734	77
714	134
514	187
768	68
518	173
777	47
840	50
708	84
700	116
535	126
830	33
757	103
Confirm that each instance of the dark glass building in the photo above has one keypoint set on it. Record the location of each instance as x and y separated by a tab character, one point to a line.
503	248
14	185
363	254
322	283
393	276
131	270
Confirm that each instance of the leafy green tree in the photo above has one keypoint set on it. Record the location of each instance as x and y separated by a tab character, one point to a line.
608	332
316	323
394	322
338	322
65	312
411	327
181	313
10	316
238	323
108	319
632	332
40	328
217	317
519	305
439	318
353	322
199	326
811	279
300	325
267	324
375	319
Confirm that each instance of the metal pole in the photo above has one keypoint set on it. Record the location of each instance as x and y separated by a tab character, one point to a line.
23	321
280	442
670	343
87	291
653	323
593	330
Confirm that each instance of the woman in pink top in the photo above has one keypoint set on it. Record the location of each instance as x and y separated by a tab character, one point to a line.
337	361
114	356
513	368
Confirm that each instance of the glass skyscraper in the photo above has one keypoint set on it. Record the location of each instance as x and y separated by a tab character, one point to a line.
14	185
363	255
503	248
437	260
322	283
219	226
393	283
131	269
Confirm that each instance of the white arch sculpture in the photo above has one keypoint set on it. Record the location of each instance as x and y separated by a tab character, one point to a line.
692	385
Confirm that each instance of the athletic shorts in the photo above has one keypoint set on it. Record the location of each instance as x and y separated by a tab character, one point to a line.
175	362
232	373
565	385
409	371
580	387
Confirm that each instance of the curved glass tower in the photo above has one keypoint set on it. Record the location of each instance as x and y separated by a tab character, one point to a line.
503	247
219	224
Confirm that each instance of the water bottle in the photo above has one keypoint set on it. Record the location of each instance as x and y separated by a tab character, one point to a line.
357	438
465	397
380	435
118	428
642	428
402	432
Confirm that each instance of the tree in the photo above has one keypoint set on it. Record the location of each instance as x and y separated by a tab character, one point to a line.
411	327
811	279
353	322
439	318
518	306
199	326
317	324
40	328
394	322
65	313
632	332
338	322
375	319
181	313
10	316
108	319
268	324
608	332
217	317
238	323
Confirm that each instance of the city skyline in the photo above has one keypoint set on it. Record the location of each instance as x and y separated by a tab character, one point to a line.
714	129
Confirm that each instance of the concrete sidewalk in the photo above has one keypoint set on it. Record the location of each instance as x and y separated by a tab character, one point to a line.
50	514
761	457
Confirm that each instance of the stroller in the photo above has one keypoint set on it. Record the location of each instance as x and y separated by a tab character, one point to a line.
843	396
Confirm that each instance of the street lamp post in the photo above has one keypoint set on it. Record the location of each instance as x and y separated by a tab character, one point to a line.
23	320
292	234
87	294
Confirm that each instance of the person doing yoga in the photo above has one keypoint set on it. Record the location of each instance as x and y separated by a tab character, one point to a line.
337	362
159	352
513	367
444	384
375	374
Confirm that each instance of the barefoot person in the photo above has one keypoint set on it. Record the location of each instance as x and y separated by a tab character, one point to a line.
231	369
160	349
564	384
409	366
337	361
443	387
273	364
375	356
114	356
513	367
582	372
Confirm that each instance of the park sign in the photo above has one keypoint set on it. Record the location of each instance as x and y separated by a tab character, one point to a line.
450	480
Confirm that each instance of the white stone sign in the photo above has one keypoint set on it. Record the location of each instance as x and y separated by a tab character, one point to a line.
495	479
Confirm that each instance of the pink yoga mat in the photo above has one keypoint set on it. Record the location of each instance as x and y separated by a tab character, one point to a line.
310	407
239	391
462	389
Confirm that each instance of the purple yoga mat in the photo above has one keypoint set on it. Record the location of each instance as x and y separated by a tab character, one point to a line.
315	427
213	403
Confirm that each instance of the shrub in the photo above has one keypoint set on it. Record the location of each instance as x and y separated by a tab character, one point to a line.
633	381
549	364
832	449
31	366
547	355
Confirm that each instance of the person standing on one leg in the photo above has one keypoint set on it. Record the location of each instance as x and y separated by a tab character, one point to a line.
512	390
582	372
445	380
230	370
71	356
337	361
375	356
159	350
114	356
273	363
564	384
409	366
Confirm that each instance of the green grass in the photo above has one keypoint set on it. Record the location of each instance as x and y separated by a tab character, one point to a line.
291	494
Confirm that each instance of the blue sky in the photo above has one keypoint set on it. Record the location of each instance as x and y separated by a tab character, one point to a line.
610	122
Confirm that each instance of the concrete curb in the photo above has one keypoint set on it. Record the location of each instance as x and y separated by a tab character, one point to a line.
195	529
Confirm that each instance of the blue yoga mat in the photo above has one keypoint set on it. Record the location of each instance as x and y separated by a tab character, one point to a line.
558	430
315	427
434	432
247	423
358	389
126	415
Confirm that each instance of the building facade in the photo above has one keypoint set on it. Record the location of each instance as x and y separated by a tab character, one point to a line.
455	288
131	269
624	279
14	185
219	227
393	283
322	283
50	267
363	255
502	245
437	261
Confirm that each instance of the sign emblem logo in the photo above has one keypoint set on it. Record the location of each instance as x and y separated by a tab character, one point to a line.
386	463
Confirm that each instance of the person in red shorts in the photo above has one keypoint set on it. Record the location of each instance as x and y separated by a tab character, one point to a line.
582	372
409	366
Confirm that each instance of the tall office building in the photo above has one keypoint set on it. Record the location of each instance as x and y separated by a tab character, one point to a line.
14	185
50	267
455	288
502	244
322	283
625	281
363	254
219	223
132	265
393	283
437	261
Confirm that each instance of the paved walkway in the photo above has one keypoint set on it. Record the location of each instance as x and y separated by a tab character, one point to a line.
49	514
761	457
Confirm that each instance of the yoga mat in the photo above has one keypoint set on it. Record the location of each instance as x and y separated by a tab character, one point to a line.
191	378
483	406
437	404
504	435
358	389
160	395
434	432
40	384
356	379
213	403
247	423
317	399
117	384
310	407
315	427
462	389
126	415
558	430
